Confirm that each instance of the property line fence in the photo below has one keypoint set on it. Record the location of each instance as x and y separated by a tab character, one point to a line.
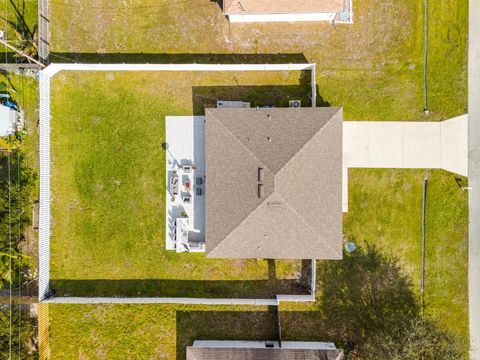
43	31
52	69
45	196
193	301
44	204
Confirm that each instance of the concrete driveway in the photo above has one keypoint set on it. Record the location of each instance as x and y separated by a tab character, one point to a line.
405	144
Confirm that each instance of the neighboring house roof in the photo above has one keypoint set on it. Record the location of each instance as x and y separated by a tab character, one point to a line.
7	120
299	215
210	353
231	7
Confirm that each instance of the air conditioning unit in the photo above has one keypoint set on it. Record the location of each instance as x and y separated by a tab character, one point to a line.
295	103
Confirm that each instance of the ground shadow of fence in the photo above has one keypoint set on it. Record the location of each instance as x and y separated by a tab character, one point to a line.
248	289
181	58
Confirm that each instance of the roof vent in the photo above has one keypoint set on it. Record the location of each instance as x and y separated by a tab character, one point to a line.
274	203
261	174
261	191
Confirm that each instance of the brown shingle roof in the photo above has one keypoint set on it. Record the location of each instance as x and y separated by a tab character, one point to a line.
231	7
205	353
300	150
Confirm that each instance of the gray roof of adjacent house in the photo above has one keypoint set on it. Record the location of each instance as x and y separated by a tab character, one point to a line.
295	210
211	353
231	7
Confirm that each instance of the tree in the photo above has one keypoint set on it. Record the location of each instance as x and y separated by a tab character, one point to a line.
21	338
369	302
416	338
25	37
15	208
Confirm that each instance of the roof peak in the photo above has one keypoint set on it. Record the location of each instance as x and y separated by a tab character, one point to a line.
300	152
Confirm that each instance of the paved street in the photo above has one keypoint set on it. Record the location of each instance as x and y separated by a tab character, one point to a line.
474	177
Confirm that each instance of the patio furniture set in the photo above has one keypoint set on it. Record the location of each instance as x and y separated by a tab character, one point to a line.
185	185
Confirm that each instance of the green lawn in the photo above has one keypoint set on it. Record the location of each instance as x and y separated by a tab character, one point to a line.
108	184
385	209
372	68
160	331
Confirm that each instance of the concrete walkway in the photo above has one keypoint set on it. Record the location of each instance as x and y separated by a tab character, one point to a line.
405	144
474	177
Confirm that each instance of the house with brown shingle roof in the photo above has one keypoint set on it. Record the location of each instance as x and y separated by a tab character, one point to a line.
273	183
283	10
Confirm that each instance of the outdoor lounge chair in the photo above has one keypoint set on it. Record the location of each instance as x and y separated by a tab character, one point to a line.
174	185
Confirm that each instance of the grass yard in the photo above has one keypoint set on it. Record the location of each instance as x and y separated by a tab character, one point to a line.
373	68
108	205
108	184
159	331
385	209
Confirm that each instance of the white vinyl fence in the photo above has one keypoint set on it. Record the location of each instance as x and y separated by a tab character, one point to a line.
193	301
44	216
44	206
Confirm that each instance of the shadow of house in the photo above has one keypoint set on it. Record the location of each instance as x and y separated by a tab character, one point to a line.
184	58
261	96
